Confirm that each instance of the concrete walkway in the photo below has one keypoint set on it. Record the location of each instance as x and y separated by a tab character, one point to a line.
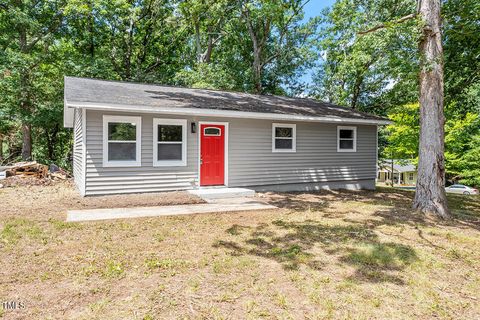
220	205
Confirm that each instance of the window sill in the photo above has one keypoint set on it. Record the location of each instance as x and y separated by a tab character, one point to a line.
283	151
346	150
120	164
169	164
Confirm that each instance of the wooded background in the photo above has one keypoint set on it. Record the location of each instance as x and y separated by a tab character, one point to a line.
263	47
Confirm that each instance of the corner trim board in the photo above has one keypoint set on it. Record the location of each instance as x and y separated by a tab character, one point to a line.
84	152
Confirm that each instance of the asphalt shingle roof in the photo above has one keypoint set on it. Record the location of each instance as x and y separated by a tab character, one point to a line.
92	91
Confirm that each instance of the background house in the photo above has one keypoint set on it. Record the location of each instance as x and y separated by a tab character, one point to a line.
404	172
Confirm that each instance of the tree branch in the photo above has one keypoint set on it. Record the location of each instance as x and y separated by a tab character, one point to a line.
383	25
283	31
52	28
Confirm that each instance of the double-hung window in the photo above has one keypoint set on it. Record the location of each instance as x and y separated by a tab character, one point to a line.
169	142
346	139
284	137
121	141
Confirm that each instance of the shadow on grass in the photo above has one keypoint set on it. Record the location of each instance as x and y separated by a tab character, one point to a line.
351	243
312	244
465	209
375	262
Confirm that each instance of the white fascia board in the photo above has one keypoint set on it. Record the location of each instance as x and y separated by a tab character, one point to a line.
68	114
221	113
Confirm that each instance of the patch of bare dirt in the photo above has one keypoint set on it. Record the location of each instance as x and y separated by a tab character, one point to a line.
56	197
20	181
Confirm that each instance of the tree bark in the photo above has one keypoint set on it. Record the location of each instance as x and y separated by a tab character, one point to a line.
257	54
25	104
206	57
52	135
356	91
198	43
1	149
430	195
91	31
257	72
27	142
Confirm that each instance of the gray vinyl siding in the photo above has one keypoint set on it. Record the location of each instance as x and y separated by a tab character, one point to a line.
78	168
145	178
251	161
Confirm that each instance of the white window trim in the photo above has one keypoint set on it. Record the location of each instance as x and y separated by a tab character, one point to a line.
169	163
294	136
138	142
354	138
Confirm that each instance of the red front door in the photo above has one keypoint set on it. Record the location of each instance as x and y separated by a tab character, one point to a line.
212	155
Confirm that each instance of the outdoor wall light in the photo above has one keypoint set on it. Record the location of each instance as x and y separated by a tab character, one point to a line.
194	127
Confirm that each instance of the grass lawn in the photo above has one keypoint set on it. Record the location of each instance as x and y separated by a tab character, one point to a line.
358	255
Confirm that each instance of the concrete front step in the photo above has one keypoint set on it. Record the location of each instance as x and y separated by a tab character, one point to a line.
222	193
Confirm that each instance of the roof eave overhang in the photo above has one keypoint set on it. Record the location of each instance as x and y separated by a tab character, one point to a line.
221	113
68	115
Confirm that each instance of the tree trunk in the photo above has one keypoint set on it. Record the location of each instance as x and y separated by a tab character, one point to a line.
257	73
198	43
208	54
52	135
129	51
25	104
1	149
257	54
356	92
430	190
91	31
27	142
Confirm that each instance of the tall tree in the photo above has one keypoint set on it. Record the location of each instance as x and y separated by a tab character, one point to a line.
275	33
430	195
373	72
28	29
208	20
430	189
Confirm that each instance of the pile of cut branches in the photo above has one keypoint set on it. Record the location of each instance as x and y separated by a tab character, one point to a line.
32	173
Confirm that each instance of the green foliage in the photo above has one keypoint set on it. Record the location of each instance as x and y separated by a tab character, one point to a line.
207	76
194	43
462	148
462	52
462	136
402	135
470	164
371	72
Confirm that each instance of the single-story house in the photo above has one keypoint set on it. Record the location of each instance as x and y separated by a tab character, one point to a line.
404	172
131	138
